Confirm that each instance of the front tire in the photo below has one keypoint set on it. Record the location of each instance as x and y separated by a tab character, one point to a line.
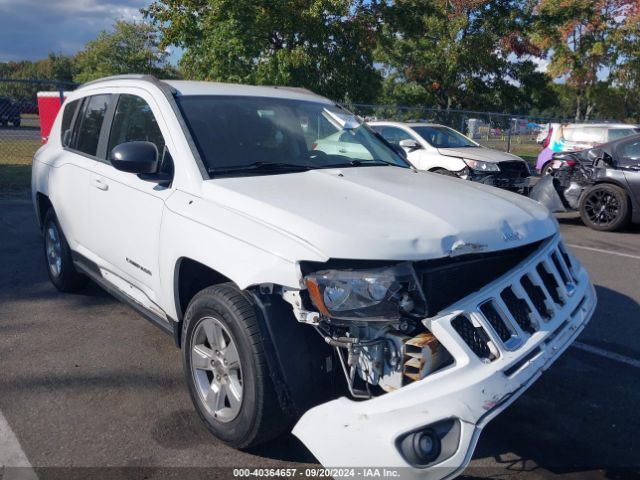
226	370
57	254
604	207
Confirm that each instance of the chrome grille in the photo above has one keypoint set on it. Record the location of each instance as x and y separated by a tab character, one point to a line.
522	307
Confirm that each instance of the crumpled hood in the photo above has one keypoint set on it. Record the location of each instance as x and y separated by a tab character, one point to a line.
479	153
384	212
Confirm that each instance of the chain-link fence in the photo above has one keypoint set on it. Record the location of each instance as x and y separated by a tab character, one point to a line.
520	135
28	105
21	102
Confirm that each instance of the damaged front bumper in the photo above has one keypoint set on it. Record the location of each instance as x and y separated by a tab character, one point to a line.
500	181
458	401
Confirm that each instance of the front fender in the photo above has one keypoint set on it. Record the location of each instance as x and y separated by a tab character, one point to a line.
245	251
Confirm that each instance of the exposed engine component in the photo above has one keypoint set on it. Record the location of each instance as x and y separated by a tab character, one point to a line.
384	356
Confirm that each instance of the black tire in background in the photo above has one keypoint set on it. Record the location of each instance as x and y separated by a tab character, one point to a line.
259	417
546	169
57	255
605	207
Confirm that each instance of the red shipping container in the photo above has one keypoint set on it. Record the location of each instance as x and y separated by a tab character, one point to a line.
48	107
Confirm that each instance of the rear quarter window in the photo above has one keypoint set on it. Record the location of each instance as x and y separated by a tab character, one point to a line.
67	118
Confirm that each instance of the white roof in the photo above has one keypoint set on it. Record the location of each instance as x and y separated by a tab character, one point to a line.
187	87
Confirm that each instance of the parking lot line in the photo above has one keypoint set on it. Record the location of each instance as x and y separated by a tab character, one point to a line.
607	354
14	464
600	250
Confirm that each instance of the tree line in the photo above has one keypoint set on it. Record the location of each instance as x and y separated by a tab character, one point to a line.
446	54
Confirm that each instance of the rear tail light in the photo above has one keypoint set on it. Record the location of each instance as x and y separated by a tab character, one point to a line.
547	140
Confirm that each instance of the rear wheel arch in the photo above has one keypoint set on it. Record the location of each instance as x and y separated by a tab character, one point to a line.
43	204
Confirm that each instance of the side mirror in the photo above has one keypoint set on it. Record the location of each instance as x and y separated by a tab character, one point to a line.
135	157
410	144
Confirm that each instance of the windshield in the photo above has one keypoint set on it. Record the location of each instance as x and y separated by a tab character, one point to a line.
243	135
443	137
616	133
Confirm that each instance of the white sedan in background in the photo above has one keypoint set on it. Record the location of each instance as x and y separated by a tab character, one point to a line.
440	149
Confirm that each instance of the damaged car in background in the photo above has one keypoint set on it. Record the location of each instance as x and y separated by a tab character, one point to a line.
601	183
386	315
440	149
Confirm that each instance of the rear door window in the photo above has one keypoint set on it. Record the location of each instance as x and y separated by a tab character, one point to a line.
90	124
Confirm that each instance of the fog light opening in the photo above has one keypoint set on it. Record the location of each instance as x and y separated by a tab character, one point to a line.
426	446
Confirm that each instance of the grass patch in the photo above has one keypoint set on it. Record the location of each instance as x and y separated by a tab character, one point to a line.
15	165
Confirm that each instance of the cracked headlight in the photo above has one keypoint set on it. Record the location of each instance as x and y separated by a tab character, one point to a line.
481	166
376	294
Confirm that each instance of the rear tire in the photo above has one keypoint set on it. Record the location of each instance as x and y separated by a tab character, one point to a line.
226	370
547	169
604	207
57	255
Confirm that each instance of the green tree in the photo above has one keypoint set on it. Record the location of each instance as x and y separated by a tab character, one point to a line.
579	37
626	71
131	47
56	67
324	45
453	53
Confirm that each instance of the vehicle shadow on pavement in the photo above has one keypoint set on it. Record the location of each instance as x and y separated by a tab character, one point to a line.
580	417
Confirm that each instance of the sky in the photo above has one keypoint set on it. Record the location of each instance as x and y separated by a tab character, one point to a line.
30	29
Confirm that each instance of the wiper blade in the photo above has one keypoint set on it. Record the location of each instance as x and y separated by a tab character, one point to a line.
259	167
358	163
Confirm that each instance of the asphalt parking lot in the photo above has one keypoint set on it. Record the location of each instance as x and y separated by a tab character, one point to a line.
85	382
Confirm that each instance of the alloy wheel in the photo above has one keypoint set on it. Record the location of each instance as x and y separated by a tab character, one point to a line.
602	208
53	247
216	369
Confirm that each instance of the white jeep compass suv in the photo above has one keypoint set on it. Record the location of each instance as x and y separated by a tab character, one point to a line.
385	314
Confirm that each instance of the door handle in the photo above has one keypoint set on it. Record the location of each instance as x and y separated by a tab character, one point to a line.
342	150
100	185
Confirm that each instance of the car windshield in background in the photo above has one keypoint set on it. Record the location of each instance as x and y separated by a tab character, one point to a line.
616	133
443	137
243	135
